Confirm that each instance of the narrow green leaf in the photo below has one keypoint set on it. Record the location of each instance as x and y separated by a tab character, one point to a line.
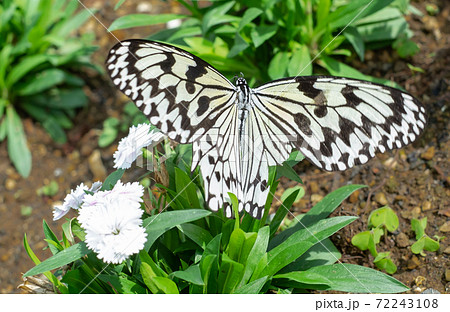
198	234
284	209
157	225
305	277
186	189
27	64
252	287
62	258
191	275
255	255
261	34
300	62
299	242
239	45
112	179
49	235
18	150
230	275
320	211
249	15
122	284
356	40
138	20
165	285
217	15
42	81
358	279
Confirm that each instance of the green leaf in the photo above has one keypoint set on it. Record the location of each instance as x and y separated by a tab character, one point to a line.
55	130
122	284
384	262
278	65
240	245
239	45
419	226
258	250
61	99
42	81
384	216
261	34
199	235
287	171
362	240
305	277
63	29
358	279
18	150
138	20
230	275
62	258
299	242
252	287
287	201
217	15
109	132
355	39
209	265
191	275
320	211
300	62
157	225
249	15
405	47
26	64
49	235
186	188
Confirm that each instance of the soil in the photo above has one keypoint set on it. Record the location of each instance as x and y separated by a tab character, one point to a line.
413	181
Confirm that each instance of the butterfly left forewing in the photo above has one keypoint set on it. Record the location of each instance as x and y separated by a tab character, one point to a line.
180	93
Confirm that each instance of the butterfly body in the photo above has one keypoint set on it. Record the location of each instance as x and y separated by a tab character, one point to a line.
238	132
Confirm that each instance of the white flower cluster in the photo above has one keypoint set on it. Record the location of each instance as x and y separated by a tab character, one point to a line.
74	200
111	220
130	147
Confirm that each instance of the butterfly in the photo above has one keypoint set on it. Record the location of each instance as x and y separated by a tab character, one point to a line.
238	132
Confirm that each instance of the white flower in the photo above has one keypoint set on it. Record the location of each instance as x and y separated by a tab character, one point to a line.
130	147
74	199
112	222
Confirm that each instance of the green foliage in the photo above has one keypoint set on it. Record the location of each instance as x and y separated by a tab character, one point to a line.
290	38
112	126
50	189
380	222
424	242
39	61
192	250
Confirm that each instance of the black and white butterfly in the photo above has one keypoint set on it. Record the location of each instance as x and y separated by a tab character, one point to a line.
238	132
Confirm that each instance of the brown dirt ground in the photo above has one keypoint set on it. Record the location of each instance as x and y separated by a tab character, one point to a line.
413	181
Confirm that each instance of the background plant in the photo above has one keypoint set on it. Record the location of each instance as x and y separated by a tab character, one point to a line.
273	39
424	242
39	62
380	222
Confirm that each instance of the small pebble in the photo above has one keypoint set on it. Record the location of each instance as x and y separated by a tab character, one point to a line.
428	154
426	206
447	250
96	166
420	280
381	198
314	187
413	263
354	197
315	198
402	240
447	275
445	227
10	184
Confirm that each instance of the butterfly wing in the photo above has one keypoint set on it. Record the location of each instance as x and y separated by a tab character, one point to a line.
338	122
180	93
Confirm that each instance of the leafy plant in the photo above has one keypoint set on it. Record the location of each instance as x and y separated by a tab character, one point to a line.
380	222
288	37
424	242
191	250
112	126
38	65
